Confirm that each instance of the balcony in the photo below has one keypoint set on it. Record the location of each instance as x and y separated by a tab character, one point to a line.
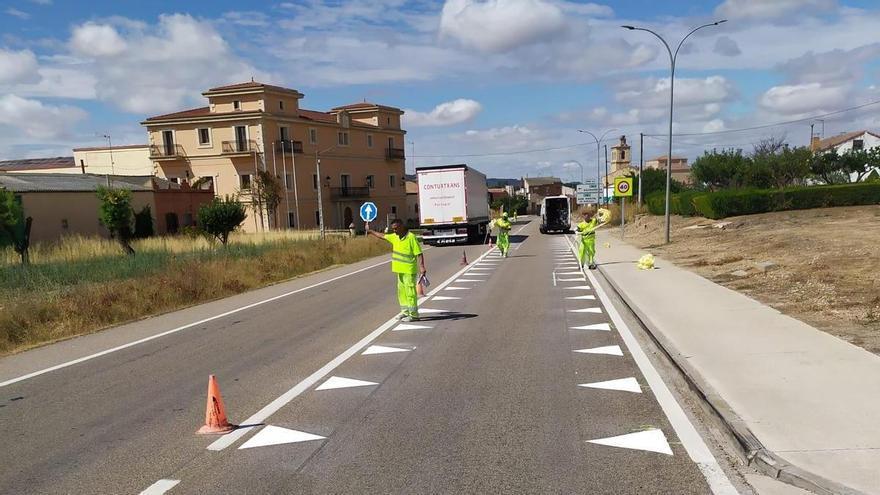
289	146
394	154
166	152
239	147
349	193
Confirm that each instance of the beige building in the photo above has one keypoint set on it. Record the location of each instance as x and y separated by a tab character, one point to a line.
116	160
252	126
621	162
412	203
681	171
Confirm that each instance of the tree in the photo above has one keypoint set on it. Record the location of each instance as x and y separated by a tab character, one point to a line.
143	223
768	146
787	166
266	191
221	216
116	214
511	203
827	167
721	169
653	180
15	229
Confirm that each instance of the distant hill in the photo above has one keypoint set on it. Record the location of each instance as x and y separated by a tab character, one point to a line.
493	182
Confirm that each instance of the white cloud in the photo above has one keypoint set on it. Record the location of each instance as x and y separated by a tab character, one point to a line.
18	13
772	9
727	47
495	26
96	40
35	120
586	9
249	18
654	93
448	113
516	132
18	67
835	66
714	125
801	99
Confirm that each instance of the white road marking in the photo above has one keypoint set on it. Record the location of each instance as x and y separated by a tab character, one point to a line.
428	310
589	296
335	382
571	273
282	400
275	435
184	327
160	487
693	443
381	349
457	288
650	440
579	287
407	326
611	350
478	269
586	310
623	384
579	279
469	279
602	327
445	298
554	279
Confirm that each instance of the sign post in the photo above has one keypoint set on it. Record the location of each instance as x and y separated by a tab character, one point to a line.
623	190
368	213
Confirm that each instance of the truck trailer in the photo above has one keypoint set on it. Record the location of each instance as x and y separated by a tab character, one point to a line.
453	204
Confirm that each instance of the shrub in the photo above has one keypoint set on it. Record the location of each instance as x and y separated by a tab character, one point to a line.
682	203
656	203
116	214
221	216
747	202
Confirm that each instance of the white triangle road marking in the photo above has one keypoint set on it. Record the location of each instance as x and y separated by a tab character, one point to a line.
469	280
476	268
586	310
602	327
407	326
579	287
335	382
429	310
446	298
457	288
581	298
611	350
578	279
275	435
569	273
623	384
650	440
381	349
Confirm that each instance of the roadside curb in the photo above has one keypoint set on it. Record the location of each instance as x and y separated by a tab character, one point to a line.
749	446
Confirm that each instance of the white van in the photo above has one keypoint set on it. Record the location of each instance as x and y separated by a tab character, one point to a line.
555	215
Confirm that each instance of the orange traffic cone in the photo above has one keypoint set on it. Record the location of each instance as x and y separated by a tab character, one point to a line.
464	260
215	411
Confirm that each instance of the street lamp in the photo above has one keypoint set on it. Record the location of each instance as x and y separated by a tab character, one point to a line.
320	186
598	146
579	165
672	59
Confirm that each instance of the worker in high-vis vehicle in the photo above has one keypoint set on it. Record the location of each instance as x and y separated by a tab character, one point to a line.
408	263
586	231
504	226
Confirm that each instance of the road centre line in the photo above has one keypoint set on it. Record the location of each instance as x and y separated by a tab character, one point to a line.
160	487
687	433
260	416
184	327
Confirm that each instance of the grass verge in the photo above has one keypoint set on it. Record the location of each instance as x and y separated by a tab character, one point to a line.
82	286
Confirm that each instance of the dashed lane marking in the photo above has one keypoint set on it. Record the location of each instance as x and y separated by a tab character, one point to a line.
160	487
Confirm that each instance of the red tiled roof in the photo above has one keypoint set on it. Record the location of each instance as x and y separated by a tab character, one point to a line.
663	158
122	147
192	112
38	163
317	116
833	141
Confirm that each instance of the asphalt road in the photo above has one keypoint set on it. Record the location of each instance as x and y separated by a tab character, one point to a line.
486	399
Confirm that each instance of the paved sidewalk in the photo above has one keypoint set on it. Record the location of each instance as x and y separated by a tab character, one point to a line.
801	402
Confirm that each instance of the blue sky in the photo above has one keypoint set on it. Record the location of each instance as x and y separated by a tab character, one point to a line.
476	77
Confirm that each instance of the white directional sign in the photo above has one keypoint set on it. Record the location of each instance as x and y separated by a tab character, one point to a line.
369	211
587	193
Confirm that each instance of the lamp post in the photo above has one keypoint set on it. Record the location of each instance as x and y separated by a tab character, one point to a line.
673	56
579	165
320	186
598	152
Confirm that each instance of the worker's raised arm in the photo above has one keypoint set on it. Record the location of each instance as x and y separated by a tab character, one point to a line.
375	234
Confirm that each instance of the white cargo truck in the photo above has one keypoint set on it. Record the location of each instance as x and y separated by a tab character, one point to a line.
453	204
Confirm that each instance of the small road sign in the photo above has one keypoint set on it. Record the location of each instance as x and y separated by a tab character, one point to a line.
623	187
369	211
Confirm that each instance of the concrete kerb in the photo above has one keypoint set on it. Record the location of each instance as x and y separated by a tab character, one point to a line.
749	446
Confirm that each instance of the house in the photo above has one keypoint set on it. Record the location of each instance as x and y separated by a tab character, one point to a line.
130	160
351	154
681	171
412	202
538	188
856	140
496	193
66	204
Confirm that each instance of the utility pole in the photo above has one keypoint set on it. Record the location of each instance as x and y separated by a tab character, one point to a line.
811	136
295	190
110	147
413	143
605	192
641	164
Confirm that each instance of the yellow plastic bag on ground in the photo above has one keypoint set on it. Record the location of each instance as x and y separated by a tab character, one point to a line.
607	245
646	262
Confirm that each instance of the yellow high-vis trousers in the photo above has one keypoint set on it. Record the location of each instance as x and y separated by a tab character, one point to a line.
406	294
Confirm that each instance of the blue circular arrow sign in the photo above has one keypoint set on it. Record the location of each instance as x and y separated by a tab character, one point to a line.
369	211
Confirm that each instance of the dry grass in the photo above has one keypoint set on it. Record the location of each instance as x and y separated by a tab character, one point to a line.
83	285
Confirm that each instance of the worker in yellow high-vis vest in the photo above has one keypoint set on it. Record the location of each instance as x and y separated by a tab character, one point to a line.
586	231
408	263
503	234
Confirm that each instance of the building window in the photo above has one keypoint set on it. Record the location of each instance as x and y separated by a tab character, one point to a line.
245	181
236	105
390	143
288	181
291	219
174	180
388	120
204	136
858	144
345	181
317	218
284	133
342	138
64	224
280	105
622	155
394	210
371	181
391	181
369	140
315	182
313	136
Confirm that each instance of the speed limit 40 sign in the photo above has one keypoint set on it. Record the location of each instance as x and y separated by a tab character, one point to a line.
623	187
